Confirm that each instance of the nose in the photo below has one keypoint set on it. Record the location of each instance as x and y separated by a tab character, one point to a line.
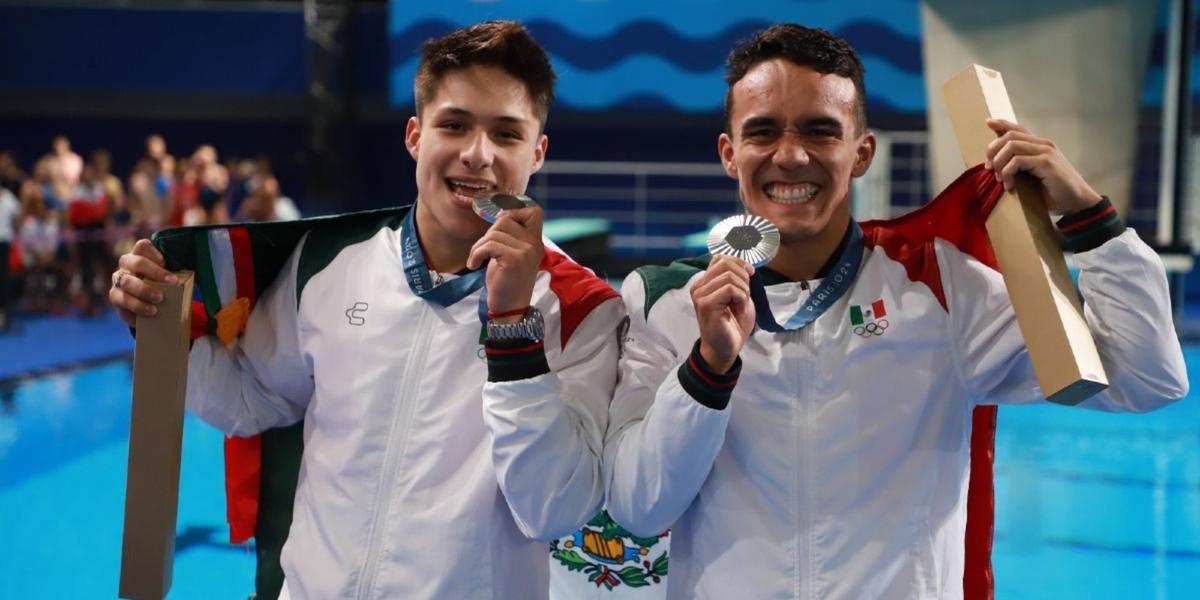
478	153
790	153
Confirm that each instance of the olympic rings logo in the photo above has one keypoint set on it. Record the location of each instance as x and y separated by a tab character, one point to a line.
873	328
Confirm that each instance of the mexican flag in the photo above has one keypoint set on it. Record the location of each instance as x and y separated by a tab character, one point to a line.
875	311
234	264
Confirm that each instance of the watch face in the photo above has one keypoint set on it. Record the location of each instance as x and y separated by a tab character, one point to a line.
489	207
750	238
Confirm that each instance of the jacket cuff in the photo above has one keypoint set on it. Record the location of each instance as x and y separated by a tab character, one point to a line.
1090	227
705	385
515	360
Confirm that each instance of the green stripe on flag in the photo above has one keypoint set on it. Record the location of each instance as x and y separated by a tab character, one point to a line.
207	281
856	316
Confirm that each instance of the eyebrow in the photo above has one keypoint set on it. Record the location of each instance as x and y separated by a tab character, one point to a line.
824	122
462	112
808	123
753	122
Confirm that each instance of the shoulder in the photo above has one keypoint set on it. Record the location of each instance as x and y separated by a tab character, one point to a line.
957	217
263	248
657	280
578	290
328	236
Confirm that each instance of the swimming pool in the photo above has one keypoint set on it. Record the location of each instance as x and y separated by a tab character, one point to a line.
1089	505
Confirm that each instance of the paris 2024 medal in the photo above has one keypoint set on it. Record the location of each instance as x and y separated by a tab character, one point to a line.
488	207
750	238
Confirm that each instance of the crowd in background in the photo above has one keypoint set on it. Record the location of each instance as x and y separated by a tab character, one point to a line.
64	222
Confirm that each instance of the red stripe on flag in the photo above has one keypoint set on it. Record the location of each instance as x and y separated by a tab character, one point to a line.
877	309
243	456
243	466
199	320
243	262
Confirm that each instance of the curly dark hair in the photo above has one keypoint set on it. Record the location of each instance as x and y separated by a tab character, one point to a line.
503	44
809	47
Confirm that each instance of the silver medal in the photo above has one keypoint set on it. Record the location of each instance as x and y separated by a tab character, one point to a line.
489	207
750	238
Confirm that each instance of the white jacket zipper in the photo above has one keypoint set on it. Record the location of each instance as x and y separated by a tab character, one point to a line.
393	453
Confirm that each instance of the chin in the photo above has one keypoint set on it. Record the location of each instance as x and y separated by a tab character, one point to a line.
792	235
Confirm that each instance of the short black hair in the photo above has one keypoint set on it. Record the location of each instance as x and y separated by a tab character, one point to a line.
503	44
809	47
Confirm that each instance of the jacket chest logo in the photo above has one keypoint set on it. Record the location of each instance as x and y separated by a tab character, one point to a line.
356	314
869	321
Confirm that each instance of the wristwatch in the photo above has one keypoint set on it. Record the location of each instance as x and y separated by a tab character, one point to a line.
530	328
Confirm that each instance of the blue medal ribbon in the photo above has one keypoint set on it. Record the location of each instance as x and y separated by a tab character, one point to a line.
421	284
831	289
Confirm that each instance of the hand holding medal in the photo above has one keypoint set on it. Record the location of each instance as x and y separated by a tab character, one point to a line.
512	249
725	312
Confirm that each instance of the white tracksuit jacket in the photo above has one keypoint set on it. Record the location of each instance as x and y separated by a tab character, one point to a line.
839	467
417	480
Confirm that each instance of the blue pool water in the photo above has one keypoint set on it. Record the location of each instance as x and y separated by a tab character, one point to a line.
1089	505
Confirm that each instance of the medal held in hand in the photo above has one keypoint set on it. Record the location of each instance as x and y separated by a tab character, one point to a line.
488	207
750	238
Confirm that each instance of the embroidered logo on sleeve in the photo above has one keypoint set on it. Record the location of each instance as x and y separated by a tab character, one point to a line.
355	314
869	320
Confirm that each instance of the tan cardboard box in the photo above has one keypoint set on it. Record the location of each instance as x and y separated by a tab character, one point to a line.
1048	312
155	443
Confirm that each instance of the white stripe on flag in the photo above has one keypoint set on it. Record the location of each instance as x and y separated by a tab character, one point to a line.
220	249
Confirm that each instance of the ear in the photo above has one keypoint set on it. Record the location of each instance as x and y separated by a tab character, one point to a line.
865	153
412	136
539	152
725	151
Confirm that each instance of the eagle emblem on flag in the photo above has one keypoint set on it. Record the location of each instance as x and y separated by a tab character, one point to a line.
610	555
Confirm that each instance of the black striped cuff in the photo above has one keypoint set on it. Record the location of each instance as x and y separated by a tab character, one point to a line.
1090	227
708	387
514	360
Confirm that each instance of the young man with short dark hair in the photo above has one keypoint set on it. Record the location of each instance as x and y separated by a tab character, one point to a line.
806	428
419	480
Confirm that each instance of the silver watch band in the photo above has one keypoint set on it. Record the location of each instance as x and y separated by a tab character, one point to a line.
531	327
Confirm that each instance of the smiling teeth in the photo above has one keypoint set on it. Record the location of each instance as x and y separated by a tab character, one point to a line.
791	193
470	186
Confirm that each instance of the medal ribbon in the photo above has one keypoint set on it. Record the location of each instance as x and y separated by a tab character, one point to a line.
417	273
831	289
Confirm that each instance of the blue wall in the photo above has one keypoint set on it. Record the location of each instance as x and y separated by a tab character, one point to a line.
653	68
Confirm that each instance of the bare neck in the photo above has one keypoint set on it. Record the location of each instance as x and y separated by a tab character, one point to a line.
803	259
444	253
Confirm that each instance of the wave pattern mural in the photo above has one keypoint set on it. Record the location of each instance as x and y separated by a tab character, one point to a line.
669	54
624	55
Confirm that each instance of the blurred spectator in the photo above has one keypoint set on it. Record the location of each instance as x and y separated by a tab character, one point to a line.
11	174
10	211
164	183
156	150
48	174
39	235
267	204
87	216
101	163
163	164
185	195
148	209
69	163
214	179
241	181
